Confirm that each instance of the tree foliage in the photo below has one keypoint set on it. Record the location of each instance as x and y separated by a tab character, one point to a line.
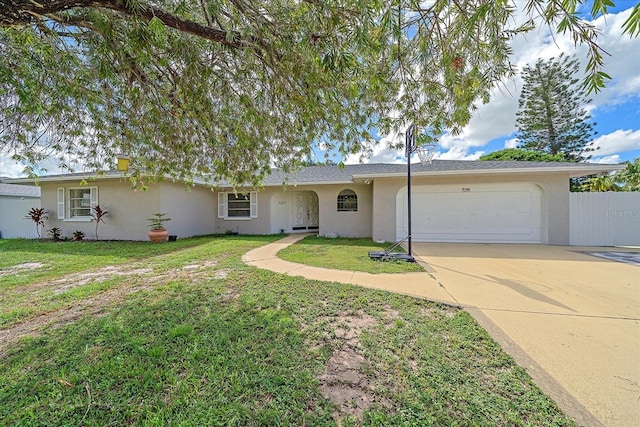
627	179
600	183
551	117
223	89
519	154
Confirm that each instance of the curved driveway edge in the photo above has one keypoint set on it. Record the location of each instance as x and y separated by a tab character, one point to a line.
467	292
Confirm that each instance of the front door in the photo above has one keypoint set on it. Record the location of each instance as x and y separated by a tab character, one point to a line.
305	211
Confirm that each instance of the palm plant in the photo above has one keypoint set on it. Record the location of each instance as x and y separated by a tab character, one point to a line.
601	183
37	215
630	177
98	215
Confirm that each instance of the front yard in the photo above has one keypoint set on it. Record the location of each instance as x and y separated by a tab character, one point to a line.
184	333
344	254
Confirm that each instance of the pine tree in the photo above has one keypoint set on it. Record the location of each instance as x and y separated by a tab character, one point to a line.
552	117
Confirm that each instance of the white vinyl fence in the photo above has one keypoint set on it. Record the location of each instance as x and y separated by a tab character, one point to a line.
13	223
15	202
605	219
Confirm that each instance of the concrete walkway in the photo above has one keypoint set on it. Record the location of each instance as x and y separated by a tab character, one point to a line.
415	284
571	319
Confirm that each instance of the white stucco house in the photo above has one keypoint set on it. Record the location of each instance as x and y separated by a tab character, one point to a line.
452	201
15	202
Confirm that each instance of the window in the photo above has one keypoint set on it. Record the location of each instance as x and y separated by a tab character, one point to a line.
76	203
238	205
347	201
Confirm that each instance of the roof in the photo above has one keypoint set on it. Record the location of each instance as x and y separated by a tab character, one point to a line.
328	174
19	190
334	174
75	176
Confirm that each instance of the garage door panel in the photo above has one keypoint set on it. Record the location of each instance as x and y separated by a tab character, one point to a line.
474	213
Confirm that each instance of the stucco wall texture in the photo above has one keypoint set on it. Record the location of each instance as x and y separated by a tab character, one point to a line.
191	209
194	210
555	201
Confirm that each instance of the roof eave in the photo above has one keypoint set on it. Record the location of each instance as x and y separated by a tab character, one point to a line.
57	178
30	196
291	184
571	170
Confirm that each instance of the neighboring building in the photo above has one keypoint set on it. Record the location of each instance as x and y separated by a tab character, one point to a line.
452	201
15	203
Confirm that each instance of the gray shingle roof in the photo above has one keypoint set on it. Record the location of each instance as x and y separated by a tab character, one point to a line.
19	190
327	174
335	174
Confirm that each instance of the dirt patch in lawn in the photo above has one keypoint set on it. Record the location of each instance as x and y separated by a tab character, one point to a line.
20	267
58	286
206	264
101	275
343	381
96	304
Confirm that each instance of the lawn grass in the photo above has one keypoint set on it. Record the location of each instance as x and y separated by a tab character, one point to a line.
61	258
344	254
62	262
204	339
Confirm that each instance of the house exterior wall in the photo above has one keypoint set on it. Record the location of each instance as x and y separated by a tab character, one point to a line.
555	201
13	210
193	210
128	210
259	225
344	224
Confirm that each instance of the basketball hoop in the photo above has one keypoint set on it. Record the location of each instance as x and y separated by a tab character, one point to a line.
426	152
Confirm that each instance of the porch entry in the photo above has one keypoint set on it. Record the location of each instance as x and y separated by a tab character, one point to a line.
295	211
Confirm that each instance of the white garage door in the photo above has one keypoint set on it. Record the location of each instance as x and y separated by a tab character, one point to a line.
490	213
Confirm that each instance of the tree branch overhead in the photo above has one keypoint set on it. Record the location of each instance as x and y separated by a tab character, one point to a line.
224	89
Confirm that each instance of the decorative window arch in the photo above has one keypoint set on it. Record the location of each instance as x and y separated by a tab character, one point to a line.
347	201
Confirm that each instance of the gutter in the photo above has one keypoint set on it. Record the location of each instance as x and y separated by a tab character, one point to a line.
572	170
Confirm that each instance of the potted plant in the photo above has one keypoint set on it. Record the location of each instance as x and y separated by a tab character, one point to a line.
158	233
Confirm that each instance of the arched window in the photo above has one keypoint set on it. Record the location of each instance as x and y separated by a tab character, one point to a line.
347	201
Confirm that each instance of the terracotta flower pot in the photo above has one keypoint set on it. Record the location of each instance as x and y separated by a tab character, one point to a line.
158	235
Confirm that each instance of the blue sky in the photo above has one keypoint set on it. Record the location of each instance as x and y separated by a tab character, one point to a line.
615	110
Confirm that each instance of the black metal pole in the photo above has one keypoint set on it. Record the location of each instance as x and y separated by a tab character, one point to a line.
409	199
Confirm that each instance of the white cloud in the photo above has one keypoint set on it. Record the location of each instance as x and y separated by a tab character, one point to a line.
497	118
618	141
606	160
458	153
9	168
511	143
378	153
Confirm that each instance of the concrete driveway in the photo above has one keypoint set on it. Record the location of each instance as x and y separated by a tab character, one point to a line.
572	319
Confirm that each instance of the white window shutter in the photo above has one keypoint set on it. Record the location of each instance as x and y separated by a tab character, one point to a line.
94	197
60	203
221	204
253	199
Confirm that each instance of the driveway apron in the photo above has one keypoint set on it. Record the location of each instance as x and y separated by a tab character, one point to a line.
573	319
